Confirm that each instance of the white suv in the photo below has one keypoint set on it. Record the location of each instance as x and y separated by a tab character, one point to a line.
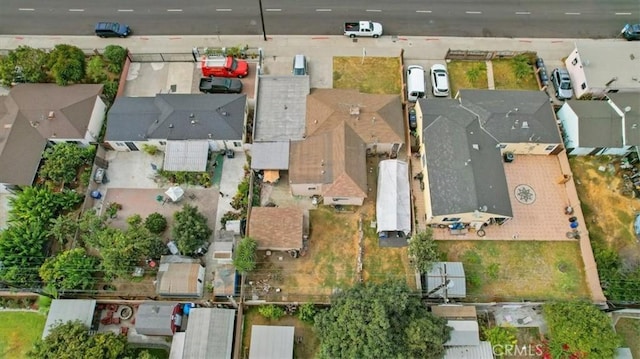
439	80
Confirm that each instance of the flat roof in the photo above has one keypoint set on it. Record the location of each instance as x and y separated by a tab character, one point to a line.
270	155
603	61
209	333
271	342
68	310
187	156
281	108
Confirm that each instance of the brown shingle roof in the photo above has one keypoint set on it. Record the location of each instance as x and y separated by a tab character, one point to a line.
379	120
335	158
25	127
276	228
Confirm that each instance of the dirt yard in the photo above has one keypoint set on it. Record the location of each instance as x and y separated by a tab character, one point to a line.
609	214
307	348
375	75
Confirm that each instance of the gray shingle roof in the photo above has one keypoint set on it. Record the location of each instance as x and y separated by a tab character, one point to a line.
598	124
464	164
177	117
513	116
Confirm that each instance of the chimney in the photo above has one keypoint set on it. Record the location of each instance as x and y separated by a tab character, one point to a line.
52	115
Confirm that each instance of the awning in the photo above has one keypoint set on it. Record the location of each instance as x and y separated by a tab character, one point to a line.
175	193
393	205
271	176
187	156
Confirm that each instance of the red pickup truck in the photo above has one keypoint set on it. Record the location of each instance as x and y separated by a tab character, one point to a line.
223	67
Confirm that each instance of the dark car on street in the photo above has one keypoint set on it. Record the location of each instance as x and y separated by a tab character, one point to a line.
112	29
631	32
220	85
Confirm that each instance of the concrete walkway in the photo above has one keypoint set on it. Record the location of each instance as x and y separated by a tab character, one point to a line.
491	82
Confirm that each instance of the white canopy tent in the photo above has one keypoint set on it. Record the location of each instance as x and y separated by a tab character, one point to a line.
175	193
393	206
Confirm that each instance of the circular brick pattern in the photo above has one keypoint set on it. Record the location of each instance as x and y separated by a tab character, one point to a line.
525	194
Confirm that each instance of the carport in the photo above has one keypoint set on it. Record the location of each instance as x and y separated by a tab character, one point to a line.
187	156
393	204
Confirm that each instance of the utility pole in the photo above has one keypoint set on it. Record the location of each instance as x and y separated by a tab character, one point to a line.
264	32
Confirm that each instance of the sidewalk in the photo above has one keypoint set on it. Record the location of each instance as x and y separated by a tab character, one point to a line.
415	47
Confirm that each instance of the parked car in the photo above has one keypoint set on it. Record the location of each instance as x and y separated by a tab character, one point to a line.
299	65
413	119
112	29
363	28
631	32
415	83
224	67
544	77
440	80
220	85
562	83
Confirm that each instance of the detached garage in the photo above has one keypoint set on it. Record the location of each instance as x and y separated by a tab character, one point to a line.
393	205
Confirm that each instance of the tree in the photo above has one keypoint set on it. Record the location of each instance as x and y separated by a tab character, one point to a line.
95	69
91	226
62	161
24	64
22	253
63	228
156	223
579	329
307	313
190	229
72	340
244	257
70	270
384	320
423	251
271	311
40	204
67	64
115	55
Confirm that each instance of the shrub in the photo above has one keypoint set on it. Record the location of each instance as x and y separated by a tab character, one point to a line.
307	313
67	64
110	90
151	150
115	55
95	69
156	223
271	312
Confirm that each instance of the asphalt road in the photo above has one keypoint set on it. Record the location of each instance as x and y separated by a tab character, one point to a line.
486	18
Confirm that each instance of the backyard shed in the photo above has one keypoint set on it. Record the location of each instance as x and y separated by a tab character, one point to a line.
158	318
441	272
482	351
393	204
277	228
271	342
209	333
68	310
180	276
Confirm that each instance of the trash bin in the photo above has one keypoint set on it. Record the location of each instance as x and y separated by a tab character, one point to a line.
96	194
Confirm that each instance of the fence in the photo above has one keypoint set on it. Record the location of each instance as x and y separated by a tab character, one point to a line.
479	55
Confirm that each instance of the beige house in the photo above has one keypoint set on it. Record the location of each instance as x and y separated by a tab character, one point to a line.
33	116
465	143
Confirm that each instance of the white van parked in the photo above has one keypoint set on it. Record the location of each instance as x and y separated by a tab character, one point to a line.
415	83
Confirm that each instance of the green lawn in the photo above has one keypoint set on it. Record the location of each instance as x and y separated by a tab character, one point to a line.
629	330
375	75
18	332
523	270
504	76
467	75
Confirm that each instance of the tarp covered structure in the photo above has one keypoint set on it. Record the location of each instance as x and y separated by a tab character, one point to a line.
175	193
393	206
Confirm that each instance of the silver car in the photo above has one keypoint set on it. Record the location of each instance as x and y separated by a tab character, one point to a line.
562	83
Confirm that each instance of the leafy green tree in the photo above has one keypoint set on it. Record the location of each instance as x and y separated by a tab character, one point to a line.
115	55
96	69
579	329
119	255
24	64
423	250
190	229
91	226
156	223
244	256
72	340
384	320
67	64
70	270
22	253
271	311
40	204
307	313
62	161
500	337
63	228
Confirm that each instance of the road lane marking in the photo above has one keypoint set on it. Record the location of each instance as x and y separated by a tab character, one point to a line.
273	10
26	9
323	10
572	13
523	13
174	10
623	13
374	10
223	9
125	10
76	10
424	11
473	12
